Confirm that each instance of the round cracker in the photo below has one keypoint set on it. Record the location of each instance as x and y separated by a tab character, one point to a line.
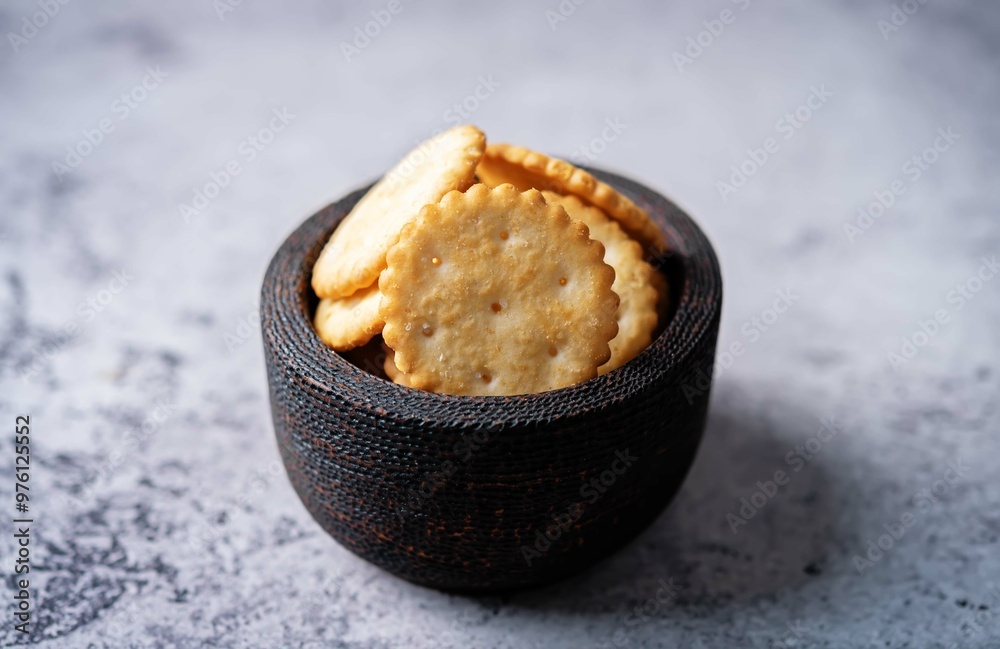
355	254
659	282
389	366
349	322
637	313
527	169
495	292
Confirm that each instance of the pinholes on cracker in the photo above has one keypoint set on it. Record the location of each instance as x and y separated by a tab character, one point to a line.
637	313
495	292
355	253
349	322
526	169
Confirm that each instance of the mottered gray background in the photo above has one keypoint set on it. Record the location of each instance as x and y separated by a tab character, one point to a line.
842	156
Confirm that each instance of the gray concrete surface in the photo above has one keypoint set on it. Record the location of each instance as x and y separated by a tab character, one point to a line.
162	517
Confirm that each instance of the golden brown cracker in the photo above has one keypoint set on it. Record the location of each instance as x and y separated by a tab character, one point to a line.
527	169
637	313
662	286
389	366
349	322
355	254
495	292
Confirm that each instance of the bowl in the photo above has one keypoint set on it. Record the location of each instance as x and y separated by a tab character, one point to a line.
488	494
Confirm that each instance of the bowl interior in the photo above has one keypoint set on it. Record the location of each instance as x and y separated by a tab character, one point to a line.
695	295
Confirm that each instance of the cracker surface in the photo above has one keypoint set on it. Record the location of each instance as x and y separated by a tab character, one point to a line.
390	369
349	322
637	314
527	169
496	292
355	254
662	286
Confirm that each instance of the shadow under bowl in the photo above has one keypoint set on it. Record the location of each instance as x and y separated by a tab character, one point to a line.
487	494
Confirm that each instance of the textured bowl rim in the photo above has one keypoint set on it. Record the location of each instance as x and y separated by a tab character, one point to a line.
698	306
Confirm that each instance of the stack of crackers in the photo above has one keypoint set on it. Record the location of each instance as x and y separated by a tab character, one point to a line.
491	270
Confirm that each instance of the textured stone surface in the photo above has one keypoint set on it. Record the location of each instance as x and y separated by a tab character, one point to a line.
187	533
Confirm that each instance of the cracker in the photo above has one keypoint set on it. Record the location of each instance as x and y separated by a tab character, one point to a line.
355	254
349	322
526	169
659	281
637	313
495	292
389	366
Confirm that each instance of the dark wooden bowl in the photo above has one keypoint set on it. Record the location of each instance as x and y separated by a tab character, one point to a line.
482	494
